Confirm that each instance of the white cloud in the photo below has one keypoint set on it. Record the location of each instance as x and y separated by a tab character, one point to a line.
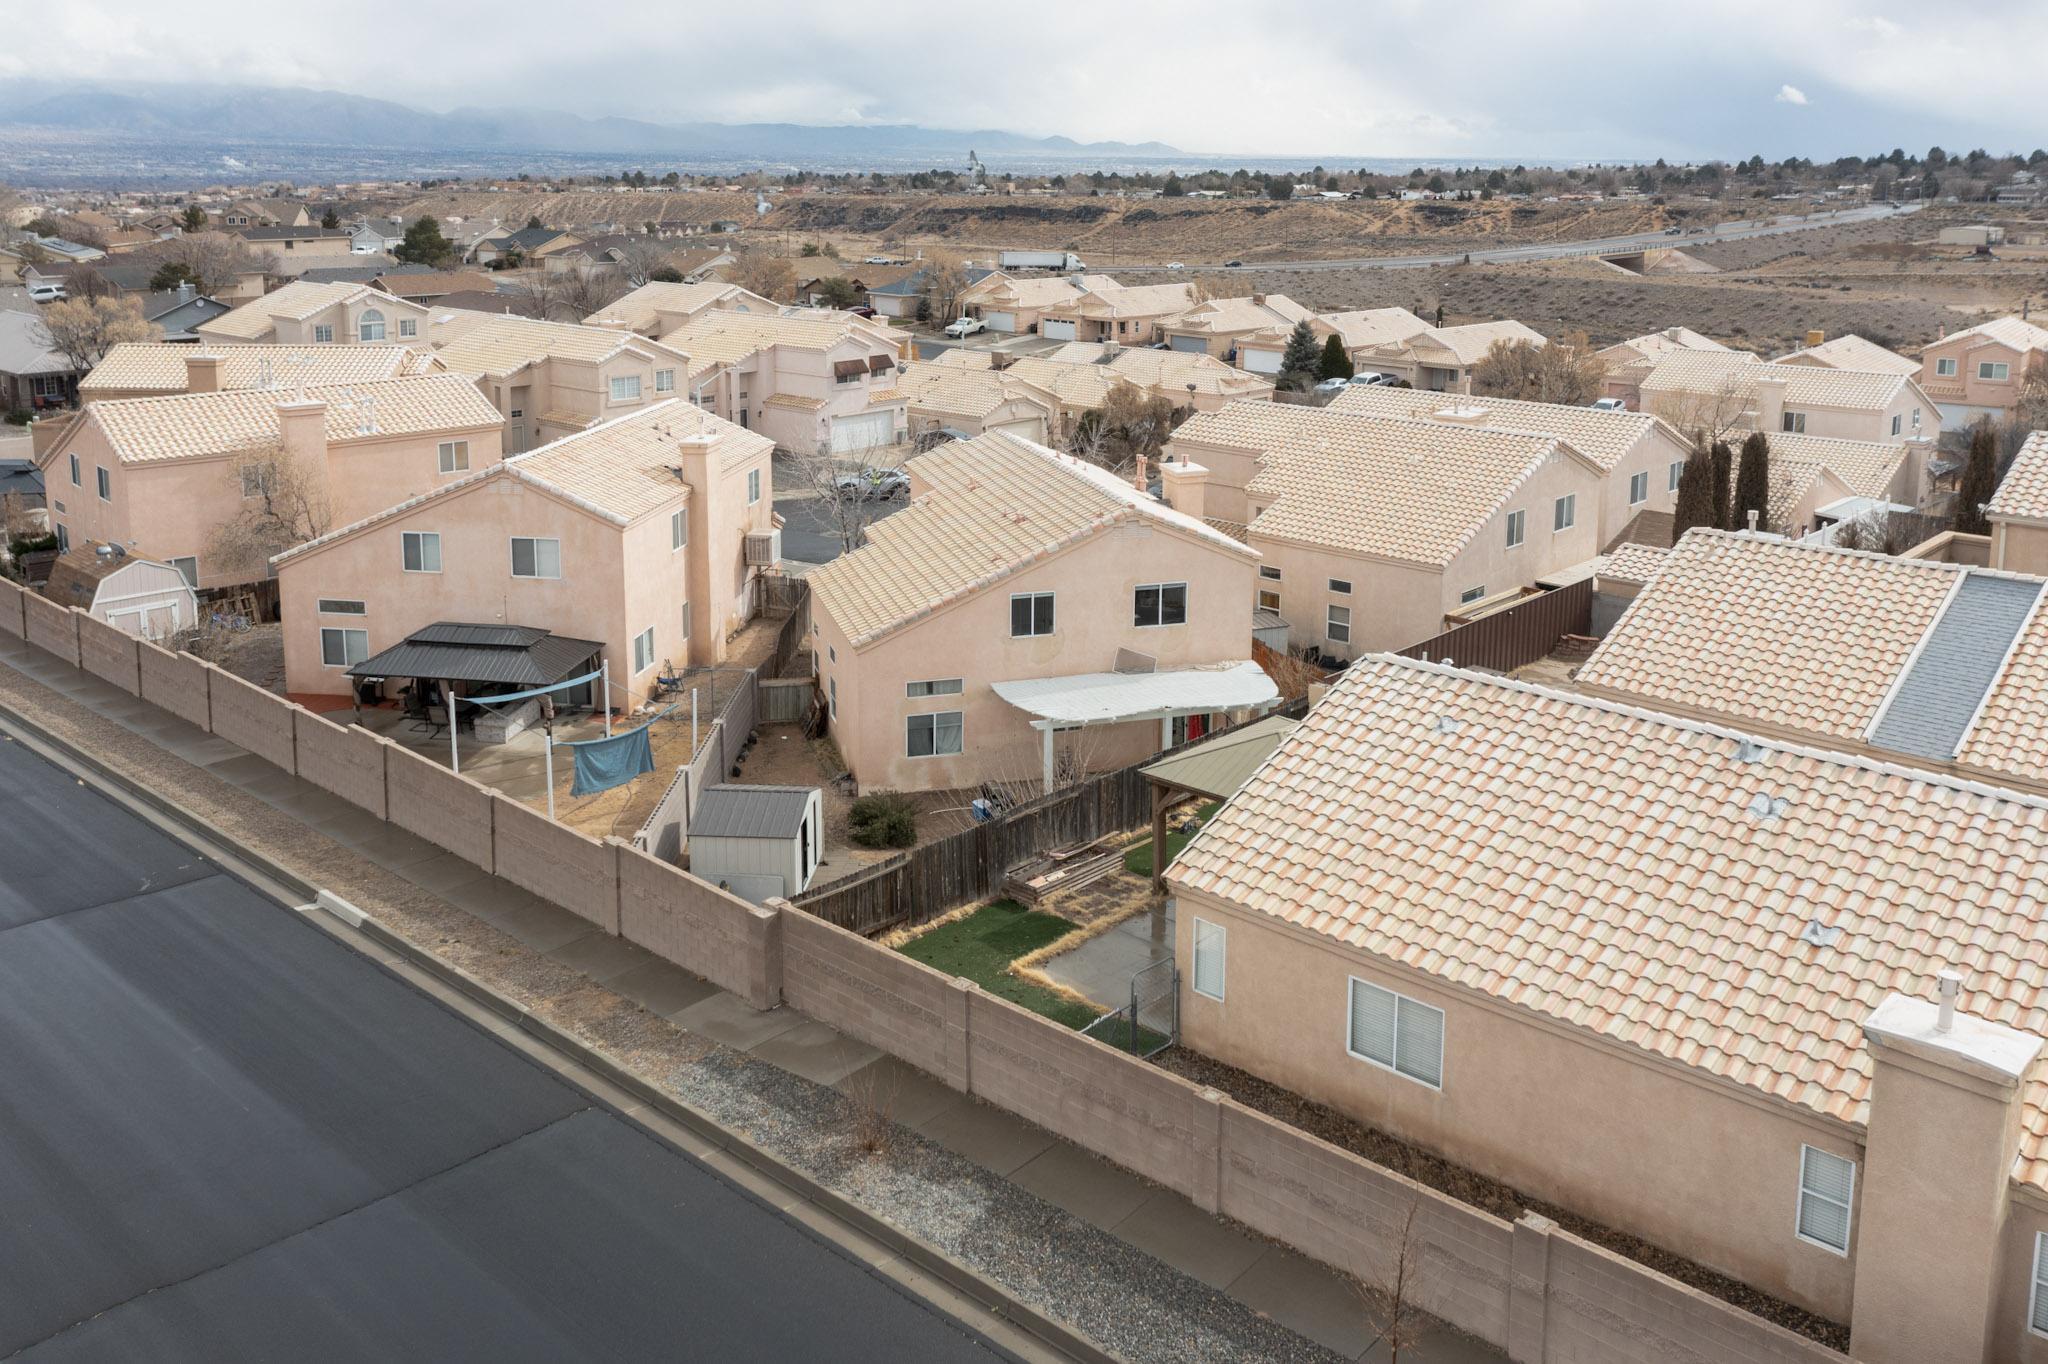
1791	94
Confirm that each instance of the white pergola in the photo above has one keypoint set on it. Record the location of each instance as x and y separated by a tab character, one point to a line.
1083	699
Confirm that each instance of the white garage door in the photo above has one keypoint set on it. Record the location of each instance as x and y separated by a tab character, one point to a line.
1057	331
1195	343
1031	428
863	432
1259	361
1000	322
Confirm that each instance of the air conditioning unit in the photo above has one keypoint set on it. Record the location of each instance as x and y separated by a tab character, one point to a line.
764	548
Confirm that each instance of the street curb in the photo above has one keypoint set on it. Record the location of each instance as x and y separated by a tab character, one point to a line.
923	1256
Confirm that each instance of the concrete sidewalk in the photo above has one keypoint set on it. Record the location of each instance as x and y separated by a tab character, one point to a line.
1131	1265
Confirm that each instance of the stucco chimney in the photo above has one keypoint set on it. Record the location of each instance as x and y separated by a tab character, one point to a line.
302	432
1770	402
1932	1195
708	519
1674	333
1184	486
1814	338
202	373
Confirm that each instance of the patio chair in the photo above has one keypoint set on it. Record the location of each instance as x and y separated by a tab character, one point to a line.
437	721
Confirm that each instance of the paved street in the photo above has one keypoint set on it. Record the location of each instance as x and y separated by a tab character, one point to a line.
229	1136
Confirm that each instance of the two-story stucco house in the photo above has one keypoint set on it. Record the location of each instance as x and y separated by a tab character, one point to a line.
657	309
553	379
1719	391
308	314
154	369
1129	315
1977	372
811	384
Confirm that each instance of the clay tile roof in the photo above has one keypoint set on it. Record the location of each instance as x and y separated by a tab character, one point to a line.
642	308
724	338
1694	371
140	366
1633	563
501	345
2016	332
2023	494
1165	372
952	391
993	506
296	302
1371	326
1603	437
1605	867
1230	316
1853	352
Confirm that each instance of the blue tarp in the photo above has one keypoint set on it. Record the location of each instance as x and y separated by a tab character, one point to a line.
602	764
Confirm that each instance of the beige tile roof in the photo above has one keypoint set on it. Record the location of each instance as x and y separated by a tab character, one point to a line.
1633	563
995	504
1371	326
1470	342
1076	386
296	301
134	366
1853	352
498	346
952	391
1792	480
1357	484
1601	866
725	338
1648	349
1867	466
795	402
964	357
1110	299
1231	316
1738	372
1002	293
641	309
198	425
2010	737
1603	437
2023	493
2012	331
1165	372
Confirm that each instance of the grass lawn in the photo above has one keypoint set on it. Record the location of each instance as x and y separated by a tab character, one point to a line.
1138	861
982	946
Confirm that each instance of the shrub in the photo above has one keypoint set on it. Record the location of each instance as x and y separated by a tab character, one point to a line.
886	819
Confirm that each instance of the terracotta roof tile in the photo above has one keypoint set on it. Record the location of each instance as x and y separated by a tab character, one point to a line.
145	365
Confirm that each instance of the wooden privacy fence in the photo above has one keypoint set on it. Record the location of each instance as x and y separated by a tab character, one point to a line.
791	595
1516	637
784	700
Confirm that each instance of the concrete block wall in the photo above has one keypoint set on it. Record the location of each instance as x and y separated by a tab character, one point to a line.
174	682
108	653
881	997
448	810
52	628
692	923
12	604
252	718
556	863
344	760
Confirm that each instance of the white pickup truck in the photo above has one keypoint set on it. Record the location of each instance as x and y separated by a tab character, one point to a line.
966	326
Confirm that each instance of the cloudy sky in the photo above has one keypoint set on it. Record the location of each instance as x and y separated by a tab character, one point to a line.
1485	78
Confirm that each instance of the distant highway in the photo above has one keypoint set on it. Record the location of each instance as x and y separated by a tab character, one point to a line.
1601	246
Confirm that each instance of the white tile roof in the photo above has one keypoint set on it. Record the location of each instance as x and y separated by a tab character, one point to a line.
1372	326
2011	331
1867	466
498	346
1736	372
642	308
1853	352
954	391
1601	436
1648	349
296	301
134	366
724	338
1165	372
1231	316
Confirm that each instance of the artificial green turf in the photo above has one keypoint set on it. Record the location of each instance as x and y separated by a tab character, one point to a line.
1138	861
981	947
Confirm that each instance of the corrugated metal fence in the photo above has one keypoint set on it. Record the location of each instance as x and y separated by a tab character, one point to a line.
718	743
1518	636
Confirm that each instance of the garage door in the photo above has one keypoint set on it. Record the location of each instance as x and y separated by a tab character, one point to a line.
1000	322
1057	331
1031	428
1194	343
864	432
1259	361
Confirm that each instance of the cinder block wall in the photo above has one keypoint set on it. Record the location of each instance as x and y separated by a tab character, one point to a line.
252	718
52	628
174	682
448	810
108	653
348	762
556	863
12	603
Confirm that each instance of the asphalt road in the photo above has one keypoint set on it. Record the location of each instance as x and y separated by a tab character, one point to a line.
223	1135
1723	232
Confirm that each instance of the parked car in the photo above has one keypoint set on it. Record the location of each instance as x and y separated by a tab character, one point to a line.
878	260
1176	265
966	326
1370	376
862	311
1673	231
1329	387
872	485
1609	405
45	291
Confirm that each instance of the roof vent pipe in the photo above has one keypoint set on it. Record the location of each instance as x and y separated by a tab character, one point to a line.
1752	520
1947	986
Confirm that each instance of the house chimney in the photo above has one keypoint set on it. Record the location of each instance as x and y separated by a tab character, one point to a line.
1770	402
1673	333
202	373
1259	299
185	291
693	464
302	431
1184	486
1814	338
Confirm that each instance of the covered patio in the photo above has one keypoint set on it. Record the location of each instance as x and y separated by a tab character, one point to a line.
1213	769
1114	698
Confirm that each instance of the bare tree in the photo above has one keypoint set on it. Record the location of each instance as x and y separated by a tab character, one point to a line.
764	273
639	258
1391	1306
1567	371
586	292
283	502
1131	425
945	279
83	330
546	296
845	487
1704	415
214	260
2029	414
83	281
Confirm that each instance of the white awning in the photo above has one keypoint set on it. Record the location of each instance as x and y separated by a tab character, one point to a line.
1108	698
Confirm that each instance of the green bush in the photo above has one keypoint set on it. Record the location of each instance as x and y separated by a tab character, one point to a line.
886	819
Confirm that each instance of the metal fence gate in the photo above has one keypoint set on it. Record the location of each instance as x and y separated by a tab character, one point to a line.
1150	1023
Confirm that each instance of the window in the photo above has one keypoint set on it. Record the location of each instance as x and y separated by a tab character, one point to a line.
1827	1188
339	648
753	486
1794	422
2037	1301
945	686
1339	630
1269	601
1564	513
936	735
454	456
323	334
1340	586
370	327
74	472
422	551
1160	604
332	606
1946	367
536	558
1209	944
1404	1035
106	486
686	620
1638	489
679	528
63	537
1995	370
664	381
832	697
1030	614
256	478
1677	472
626	388
643	650
1518	527
1897	422
1269	573
1470	595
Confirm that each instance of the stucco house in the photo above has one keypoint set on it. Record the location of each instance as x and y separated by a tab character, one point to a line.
811	384
658	309
160	476
1722	390
1371	530
1977	372
1441	358
1128	315
1184	379
297	248
1630	362
968	642
1007	304
34	377
1360	330
645	533
1849	352
304	314
969	402
155	369
2018	511
553	379
1218	326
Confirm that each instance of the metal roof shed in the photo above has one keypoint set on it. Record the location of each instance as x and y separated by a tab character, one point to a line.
758	841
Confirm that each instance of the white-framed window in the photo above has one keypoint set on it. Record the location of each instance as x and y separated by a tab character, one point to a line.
1827	1191
323	334
1946	367
454	456
2037	1295
340	606
832	697
1677	472
643	650
1210	942
534	557
422	551
408	326
104	484
1269	573
341	647
1030	614
1401	1034
934	735
257	478
370	326
753	486
1518	527
626	388
1564	513
188	568
1898	421
1338	630
943	686
74	473
1997	371
679	528
664	381
1160	604
63	538
1471	594
1638	488
686	620
1794	423
1340	586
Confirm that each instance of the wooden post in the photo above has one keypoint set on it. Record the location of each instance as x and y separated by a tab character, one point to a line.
1160	801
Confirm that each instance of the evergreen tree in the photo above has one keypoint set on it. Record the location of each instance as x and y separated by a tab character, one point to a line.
424	244
1980	481
1724	477
330	220
1173	189
1695	493
1336	361
1298	361
194	219
1752	484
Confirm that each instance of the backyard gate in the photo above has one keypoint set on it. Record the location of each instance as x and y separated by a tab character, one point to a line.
1150	1023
